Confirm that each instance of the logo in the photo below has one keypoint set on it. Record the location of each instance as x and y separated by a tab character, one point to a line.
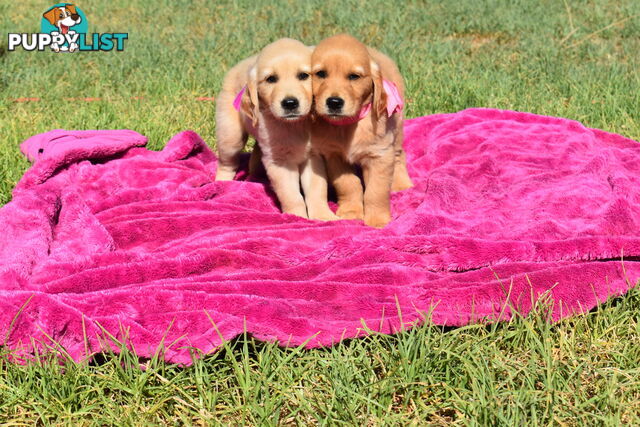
64	28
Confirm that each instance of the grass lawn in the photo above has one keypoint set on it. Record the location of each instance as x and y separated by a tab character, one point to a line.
572	58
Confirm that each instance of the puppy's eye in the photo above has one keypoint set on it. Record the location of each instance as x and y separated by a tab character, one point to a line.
353	76
322	74
303	76
272	79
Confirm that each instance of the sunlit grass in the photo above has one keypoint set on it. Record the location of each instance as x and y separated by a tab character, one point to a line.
575	59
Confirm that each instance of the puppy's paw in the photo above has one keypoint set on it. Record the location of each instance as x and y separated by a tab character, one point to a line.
378	219
401	183
324	215
225	174
300	211
350	211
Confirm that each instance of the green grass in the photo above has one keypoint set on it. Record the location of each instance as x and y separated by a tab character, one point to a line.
525	372
574	58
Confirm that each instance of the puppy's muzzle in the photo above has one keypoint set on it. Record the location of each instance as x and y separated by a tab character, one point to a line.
289	104
335	104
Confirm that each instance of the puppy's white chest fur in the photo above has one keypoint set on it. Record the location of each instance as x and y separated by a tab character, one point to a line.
283	142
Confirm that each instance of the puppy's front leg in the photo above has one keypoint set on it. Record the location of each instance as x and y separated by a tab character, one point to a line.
313	177
348	188
378	174
285	180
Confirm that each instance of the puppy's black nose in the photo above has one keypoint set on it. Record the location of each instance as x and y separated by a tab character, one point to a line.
290	103
75	17
335	103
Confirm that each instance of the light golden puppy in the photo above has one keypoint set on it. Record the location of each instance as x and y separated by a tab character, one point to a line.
268	96
358	94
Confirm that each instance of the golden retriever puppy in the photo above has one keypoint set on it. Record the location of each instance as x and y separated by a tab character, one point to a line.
358	95
268	96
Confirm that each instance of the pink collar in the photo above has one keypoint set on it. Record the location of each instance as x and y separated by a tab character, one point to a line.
394	105
238	99
351	120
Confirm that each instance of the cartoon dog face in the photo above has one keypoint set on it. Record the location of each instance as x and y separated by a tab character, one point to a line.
63	17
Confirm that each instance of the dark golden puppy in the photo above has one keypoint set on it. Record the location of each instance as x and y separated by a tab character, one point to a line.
358	94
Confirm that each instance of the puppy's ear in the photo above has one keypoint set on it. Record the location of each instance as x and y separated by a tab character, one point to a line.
72	8
249	104
379	95
50	16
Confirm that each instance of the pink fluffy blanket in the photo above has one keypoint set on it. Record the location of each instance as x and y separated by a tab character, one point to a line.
104	238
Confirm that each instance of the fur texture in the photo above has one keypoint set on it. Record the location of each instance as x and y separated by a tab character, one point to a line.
277	77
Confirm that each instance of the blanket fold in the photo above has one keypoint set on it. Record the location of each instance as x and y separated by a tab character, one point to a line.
104	237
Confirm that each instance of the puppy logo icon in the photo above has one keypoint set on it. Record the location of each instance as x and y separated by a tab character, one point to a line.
64	28
67	20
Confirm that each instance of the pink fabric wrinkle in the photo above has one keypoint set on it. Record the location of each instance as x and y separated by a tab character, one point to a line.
103	234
